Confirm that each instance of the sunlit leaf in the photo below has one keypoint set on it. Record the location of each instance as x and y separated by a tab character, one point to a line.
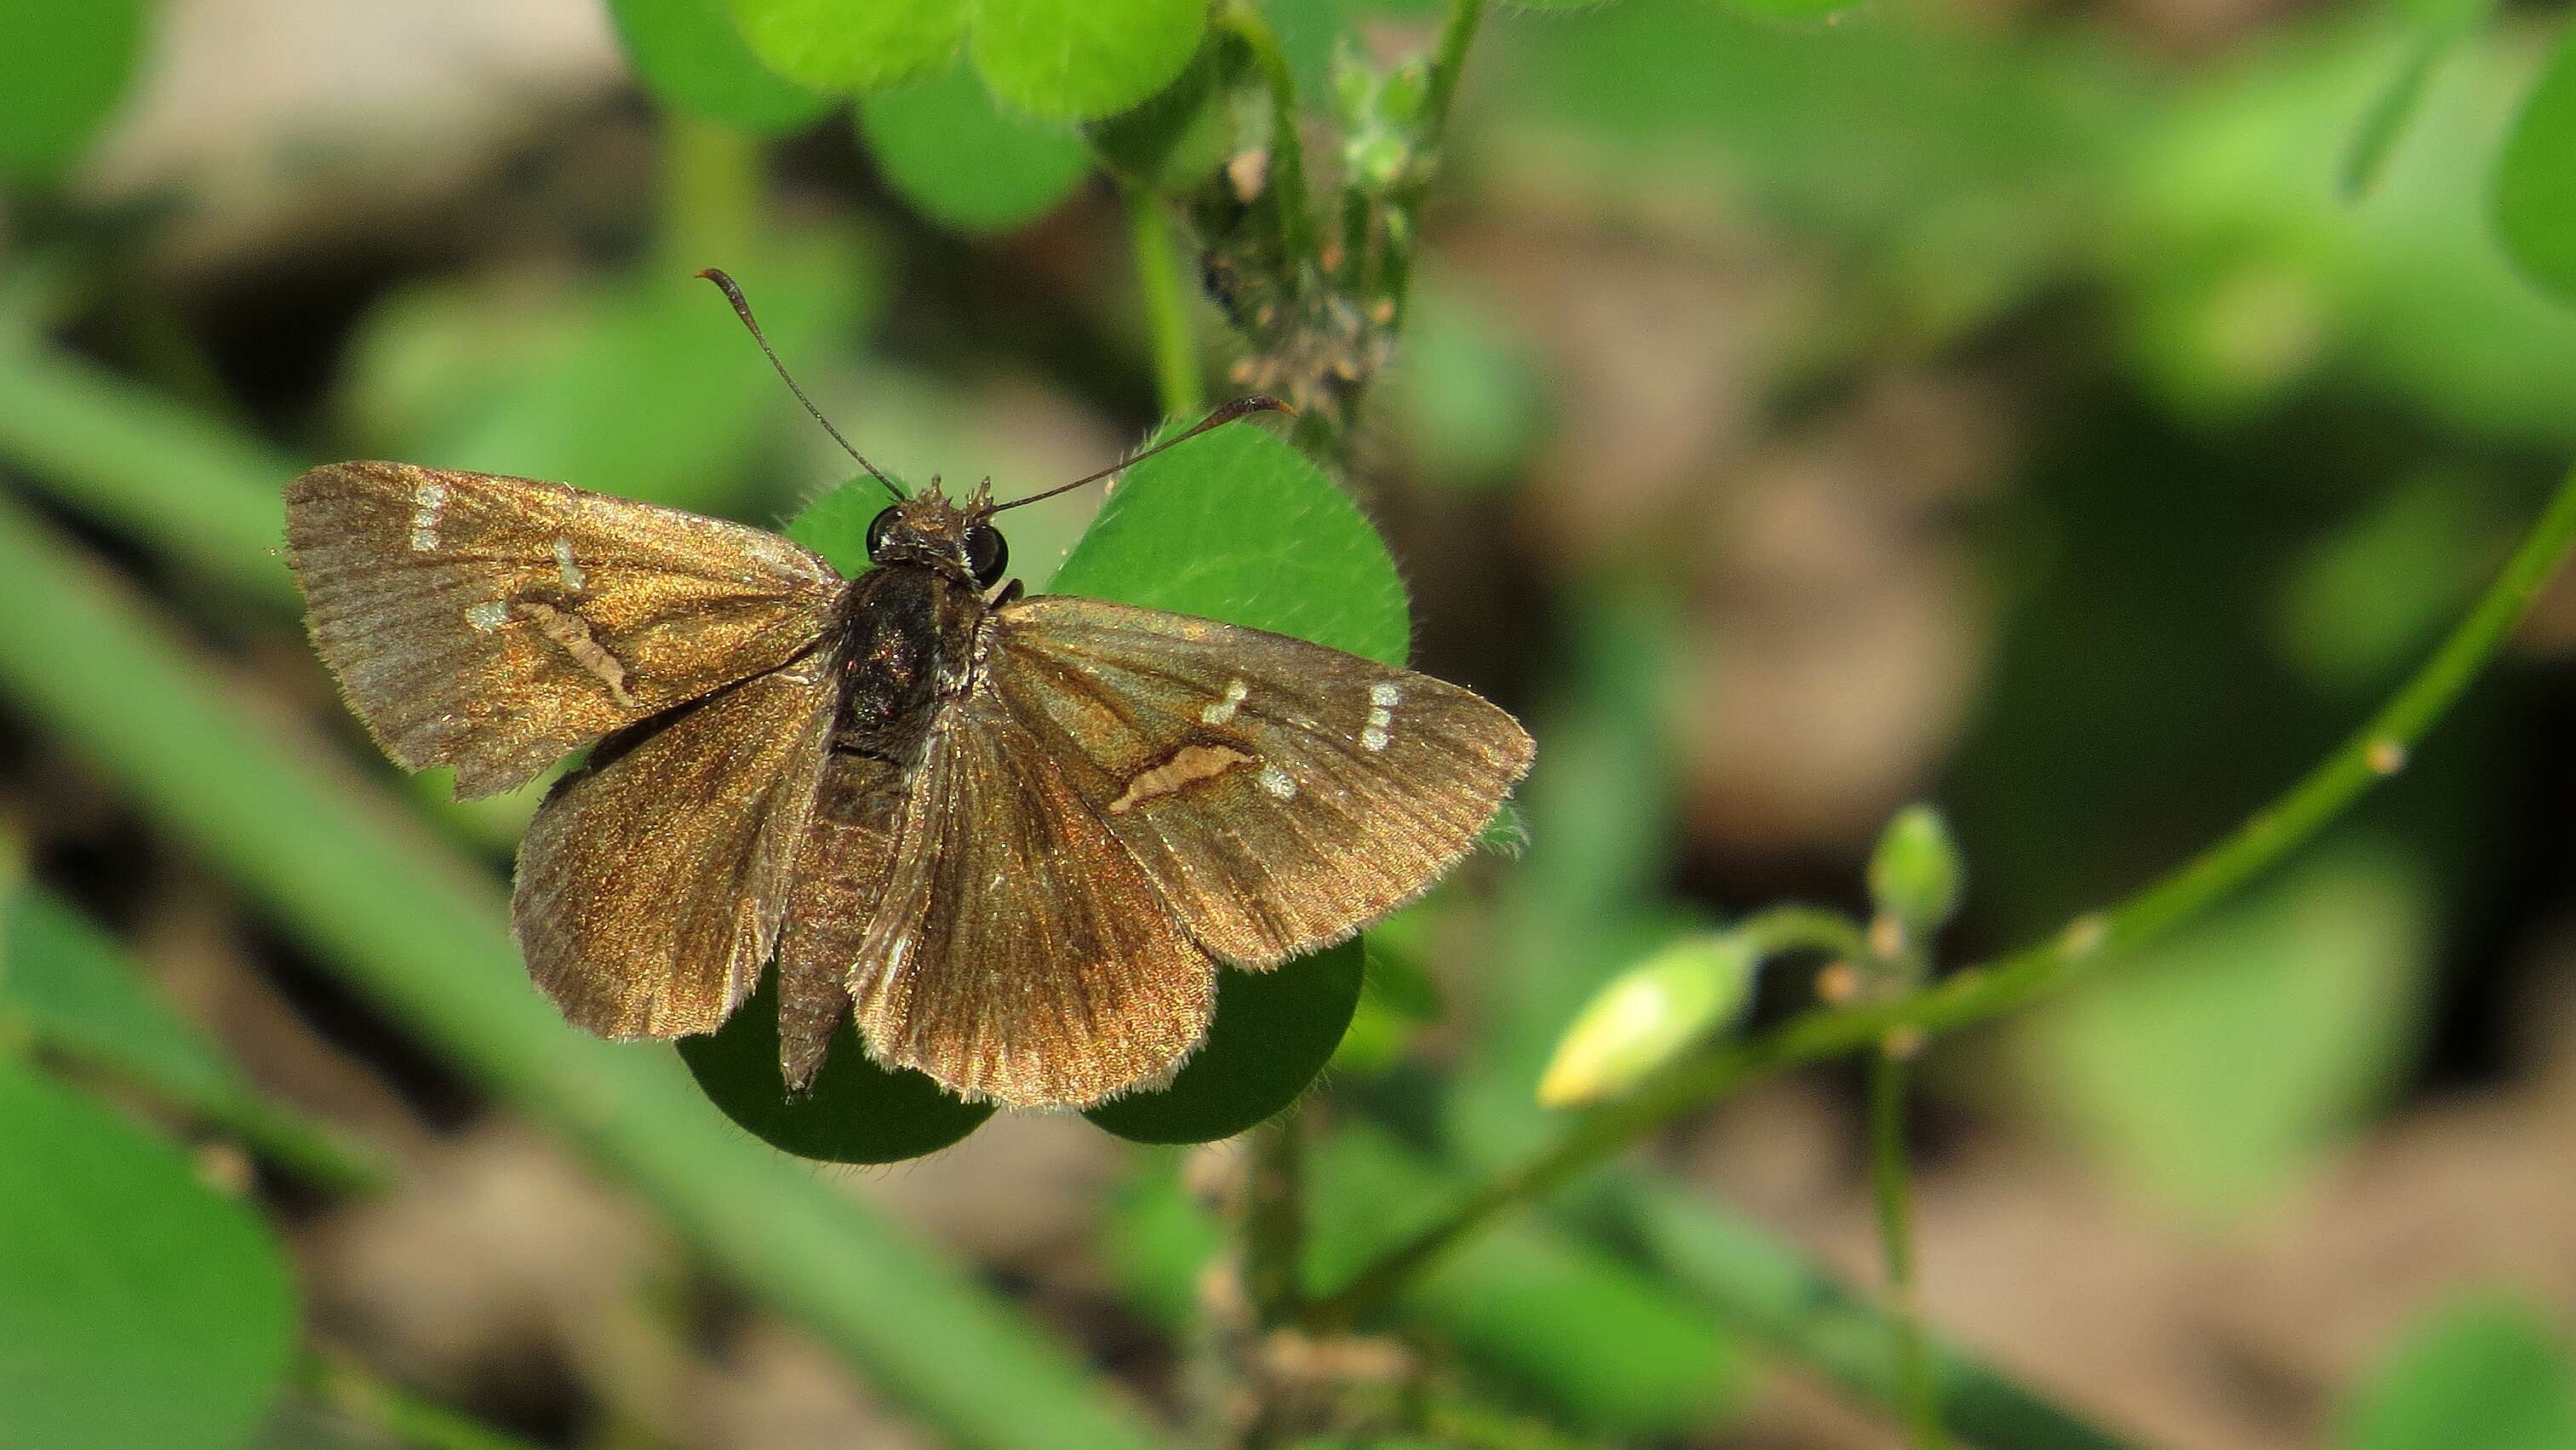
955	154
852	45
1083	58
689	55
137	1306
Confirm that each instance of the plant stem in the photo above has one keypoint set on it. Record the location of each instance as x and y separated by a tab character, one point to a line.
1460	32
408	1419
1167	302
711	194
1287	181
1776	930
1274	1219
1892	1191
2379	749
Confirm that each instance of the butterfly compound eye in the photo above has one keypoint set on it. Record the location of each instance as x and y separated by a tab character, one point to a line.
987	554
878	528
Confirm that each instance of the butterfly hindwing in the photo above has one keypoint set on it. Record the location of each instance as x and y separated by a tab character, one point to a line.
1018	952
1278	794
652	882
496	624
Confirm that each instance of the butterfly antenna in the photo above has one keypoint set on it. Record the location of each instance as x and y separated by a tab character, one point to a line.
1239	408
742	309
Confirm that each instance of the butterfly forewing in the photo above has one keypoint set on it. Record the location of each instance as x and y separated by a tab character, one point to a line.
1278	794
496	624
652	882
1018	951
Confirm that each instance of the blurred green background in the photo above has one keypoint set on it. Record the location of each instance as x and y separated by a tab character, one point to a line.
2076	416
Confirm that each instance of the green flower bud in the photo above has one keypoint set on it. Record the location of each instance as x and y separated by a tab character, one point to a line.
1915	874
1647	1016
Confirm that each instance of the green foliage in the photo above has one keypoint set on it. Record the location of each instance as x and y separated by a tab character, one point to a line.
1178	137
2215	1069
1466	388
2360	602
2535	189
642	386
965	162
137	1306
853	45
1273	1033
689	55
1084	58
2484	1371
856	1112
1065	59
63	69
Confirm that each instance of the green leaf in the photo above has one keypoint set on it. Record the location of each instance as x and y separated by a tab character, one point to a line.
1236	525
1080	59
2485	1371
63	69
690	56
137	1306
2217	1068
852	45
1273	1032
2535	192
857	1111
953	153
644	386
2385	123
86	1001
1180	136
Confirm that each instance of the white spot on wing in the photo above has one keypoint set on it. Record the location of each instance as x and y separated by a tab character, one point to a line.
1381	717
1219	712
565	569
427	498
489	615
1277	782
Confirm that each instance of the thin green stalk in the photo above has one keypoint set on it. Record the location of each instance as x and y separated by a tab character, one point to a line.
407	1419
1449	62
2379	749
1892	1192
423	933
1167	302
711	193
1287	188
1778	930
1274	1220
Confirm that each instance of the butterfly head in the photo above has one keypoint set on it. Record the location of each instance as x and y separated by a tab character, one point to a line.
957	539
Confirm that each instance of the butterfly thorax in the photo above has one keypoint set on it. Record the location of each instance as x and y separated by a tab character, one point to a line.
907	641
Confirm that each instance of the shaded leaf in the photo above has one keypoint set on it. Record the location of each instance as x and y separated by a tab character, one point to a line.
953	153
690	56
857	1111
137	1306
1273	1032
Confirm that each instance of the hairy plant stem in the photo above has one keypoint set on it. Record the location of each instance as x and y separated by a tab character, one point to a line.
2374	752
1287	181
1167	305
1274	1219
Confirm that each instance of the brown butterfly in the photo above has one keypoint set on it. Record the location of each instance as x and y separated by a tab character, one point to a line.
1014	835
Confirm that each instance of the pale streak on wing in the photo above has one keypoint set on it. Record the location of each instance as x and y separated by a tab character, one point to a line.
840	871
1361	784
652	882
1017	952
496	624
